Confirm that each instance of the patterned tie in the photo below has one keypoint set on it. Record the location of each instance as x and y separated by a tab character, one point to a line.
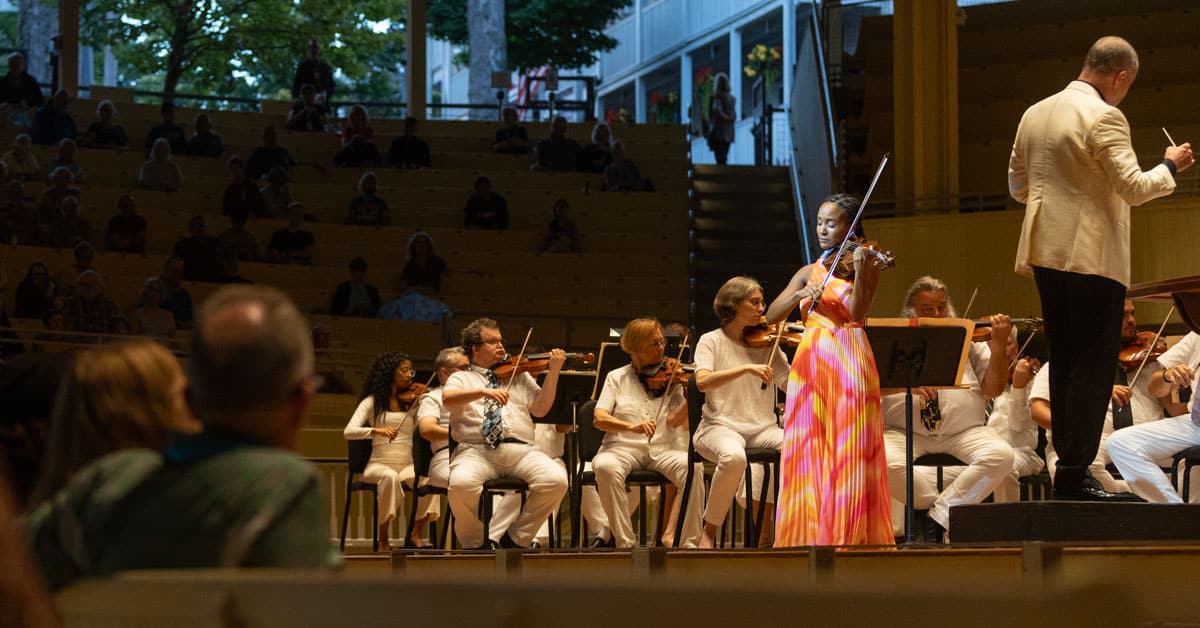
931	415
492	415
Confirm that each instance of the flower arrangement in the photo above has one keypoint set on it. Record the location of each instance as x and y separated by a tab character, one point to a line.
764	61
665	106
613	116
704	81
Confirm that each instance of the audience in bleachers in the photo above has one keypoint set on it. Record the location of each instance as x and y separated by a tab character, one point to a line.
53	338
367	208
562	236
597	155
622	174
65	158
511	137
70	228
232	268
408	150
237	240
331	378
292	244
169	130
148	318
160	172
558	153
276	194
53	122
242	194
313	71
120	327
423	268
104	132
60	188
65	282
358	142
176	298
17	87
268	156
35	293
415	305
21	161
200	252
126	231
18	219
485	209
356	297
307	113
204	142
90	309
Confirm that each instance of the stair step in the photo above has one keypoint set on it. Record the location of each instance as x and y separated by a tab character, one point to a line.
725	203
748	222
753	188
708	170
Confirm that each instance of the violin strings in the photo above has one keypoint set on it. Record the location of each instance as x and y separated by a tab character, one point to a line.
518	362
670	381
1157	335
408	412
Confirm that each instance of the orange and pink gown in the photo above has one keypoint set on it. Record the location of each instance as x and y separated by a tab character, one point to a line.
833	485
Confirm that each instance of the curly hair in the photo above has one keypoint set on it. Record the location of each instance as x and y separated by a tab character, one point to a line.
378	384
848	203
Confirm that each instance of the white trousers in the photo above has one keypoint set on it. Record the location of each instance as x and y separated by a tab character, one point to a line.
472	465
1098	469
614	462
1138	450
508	508
728	449
389	480
989	460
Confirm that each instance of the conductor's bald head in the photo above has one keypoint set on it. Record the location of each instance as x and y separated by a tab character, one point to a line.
251	361
1111	66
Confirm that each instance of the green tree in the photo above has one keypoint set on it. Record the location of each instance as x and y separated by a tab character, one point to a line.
563	33
240	47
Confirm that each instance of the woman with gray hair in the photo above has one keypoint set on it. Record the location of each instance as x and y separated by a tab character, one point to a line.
160	172
148	319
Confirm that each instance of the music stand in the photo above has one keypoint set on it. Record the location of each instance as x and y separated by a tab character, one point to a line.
611	358
916	352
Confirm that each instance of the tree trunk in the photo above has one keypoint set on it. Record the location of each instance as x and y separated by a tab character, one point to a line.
489	52
177	57
36	25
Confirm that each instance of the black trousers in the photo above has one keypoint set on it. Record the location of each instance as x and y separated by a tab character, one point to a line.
1083	330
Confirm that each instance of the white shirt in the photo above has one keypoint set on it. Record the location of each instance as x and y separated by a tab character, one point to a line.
1145	408
431	406
626	398
397	451
1186	351
466	420
1012	420
961	408
742	404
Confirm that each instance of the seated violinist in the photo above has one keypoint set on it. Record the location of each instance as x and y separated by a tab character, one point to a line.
646	428
739	412
491	417
433	420
952	421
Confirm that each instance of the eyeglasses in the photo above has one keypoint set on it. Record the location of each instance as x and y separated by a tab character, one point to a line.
658	342
495	343
407	369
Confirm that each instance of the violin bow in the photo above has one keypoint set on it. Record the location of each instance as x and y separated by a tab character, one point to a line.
779	327
1021	351
1146	357
974	294
670	381
408	412
849	232
518	362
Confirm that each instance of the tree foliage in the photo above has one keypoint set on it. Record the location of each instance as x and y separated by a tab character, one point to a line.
563	33
242	47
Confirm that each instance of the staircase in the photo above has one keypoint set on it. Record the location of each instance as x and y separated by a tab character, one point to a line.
743	223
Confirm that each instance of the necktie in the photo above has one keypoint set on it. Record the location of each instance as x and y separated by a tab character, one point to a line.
931	415
1122	415
492	416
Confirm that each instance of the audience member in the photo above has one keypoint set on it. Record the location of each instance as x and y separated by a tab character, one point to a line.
204	142
53	122
722	110
90	310
423	268
485	209
126	231
408	150
61	186
237	240
120	327
176	298
313	71
415	305
242	194
65	158
17	87
148	318
358	142
70	228
200	252
276	194
35	293
160	172
268	156
104	132
67	279
28	386
356	297
233	496
561	234
54	338
511	137
596	156
21	161
332	378
367	208
232	268
622	174
122	396
307	114
558	153
292	245
174	133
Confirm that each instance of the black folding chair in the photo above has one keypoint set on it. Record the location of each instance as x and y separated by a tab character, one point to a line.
358	454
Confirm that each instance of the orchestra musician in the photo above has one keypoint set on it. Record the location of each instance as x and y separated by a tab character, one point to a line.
433	420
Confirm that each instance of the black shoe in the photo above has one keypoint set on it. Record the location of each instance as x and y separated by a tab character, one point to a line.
1091	491
506	542
535	545
490	545
599	543
934	532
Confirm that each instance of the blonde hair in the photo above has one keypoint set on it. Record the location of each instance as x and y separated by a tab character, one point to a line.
731	294
637	333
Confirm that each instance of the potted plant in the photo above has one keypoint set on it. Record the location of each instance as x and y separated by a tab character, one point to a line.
765	61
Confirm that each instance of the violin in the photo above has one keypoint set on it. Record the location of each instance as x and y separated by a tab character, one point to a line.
882	260
1139	350
534	364
763	335
669	371
983	328
408	396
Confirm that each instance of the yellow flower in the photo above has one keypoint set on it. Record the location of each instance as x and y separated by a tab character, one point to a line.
750	71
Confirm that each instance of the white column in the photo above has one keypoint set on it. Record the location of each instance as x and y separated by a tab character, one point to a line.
685	86
637	32
110	67
639	98
417	93
736	61
789	48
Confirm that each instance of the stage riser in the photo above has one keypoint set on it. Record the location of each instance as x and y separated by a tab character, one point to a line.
1079	522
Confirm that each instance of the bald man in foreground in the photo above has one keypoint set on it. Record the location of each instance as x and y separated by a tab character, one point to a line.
234	496
1074	168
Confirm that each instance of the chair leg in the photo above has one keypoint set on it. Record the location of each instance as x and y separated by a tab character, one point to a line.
412	521
374	521
1187	481
642	505
762	506
346	516
683	504
751	538
485	504
658	531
